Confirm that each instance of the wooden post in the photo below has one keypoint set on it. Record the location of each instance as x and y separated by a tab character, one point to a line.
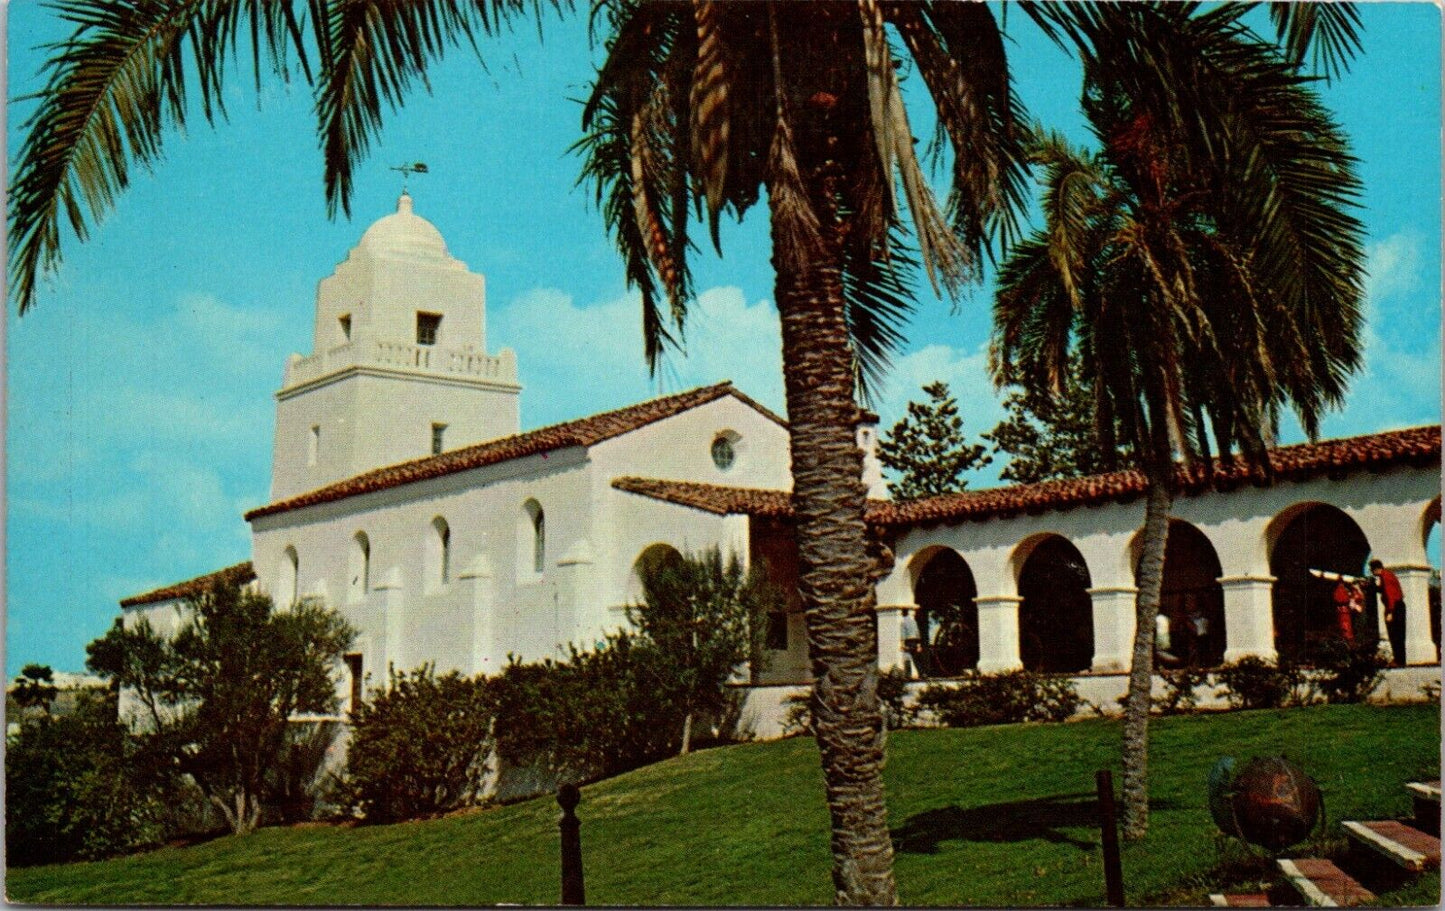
1113	870
568	797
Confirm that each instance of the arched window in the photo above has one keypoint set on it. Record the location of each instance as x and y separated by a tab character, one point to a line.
439	552
287	578
533	534
360	566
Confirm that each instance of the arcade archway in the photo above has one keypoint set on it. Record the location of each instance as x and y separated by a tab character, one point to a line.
1192	597
1432	556
1056	616
947	616
1315	536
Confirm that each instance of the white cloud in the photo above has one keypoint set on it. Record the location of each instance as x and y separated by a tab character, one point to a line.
576	360
1399	382
96	387
1395	266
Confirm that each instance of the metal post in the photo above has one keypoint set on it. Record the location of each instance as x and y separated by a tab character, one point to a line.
568	797
1113	870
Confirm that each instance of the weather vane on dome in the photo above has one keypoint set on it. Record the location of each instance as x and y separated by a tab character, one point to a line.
407	170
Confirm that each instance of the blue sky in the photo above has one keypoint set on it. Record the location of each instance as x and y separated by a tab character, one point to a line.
139	390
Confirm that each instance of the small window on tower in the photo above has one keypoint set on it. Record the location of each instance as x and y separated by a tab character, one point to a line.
438	433
313	444
428	325
346	326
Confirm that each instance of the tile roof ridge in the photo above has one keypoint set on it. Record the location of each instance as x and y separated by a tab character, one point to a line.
1412	445
583	431
241	572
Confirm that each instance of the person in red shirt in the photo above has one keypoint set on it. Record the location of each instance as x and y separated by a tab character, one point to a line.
1393	597
1348	600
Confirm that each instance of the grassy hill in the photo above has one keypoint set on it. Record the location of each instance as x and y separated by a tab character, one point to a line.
986	816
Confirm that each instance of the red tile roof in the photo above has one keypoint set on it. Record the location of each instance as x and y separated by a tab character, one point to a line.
587	431
713	498
239	574
1375	452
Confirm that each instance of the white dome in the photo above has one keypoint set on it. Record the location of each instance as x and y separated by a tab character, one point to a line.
405	234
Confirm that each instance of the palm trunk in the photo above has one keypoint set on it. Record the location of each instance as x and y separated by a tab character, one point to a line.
1141	671
834	564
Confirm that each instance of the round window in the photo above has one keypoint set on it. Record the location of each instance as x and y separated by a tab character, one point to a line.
723	453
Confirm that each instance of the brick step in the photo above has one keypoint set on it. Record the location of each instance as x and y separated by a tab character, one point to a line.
1239	900
1322	884
1426	795
1403	845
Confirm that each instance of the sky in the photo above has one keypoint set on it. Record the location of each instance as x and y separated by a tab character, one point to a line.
139	389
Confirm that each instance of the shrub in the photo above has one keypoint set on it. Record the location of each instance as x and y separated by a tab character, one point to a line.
76	790
1253	683
419	747
296	784
893	699
798	714
1005	698
1180	690
600	713
1346	673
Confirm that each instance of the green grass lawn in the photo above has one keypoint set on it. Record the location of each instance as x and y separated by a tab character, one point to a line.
985	816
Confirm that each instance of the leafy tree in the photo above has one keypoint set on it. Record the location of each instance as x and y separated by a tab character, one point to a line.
929	449
144	664
705	618
76	787
35	687
708	104
1205	261
221	693
1049	435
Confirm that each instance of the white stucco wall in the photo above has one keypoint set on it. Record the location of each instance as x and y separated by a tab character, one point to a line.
494	604
374	416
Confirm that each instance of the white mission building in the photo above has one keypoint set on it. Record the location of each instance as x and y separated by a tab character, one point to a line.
404	493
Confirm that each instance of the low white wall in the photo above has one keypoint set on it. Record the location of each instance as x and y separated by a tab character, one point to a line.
765	708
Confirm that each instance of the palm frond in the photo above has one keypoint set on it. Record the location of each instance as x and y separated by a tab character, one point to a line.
1327	33
879	292
607	151
112	89
373	52
793	217
636	153
711	113
977	107
947	262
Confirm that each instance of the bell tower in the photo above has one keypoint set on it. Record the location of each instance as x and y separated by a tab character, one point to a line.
398	369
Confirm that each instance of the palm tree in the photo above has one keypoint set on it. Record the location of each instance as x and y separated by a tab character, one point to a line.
1204	262
696	104
718	101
